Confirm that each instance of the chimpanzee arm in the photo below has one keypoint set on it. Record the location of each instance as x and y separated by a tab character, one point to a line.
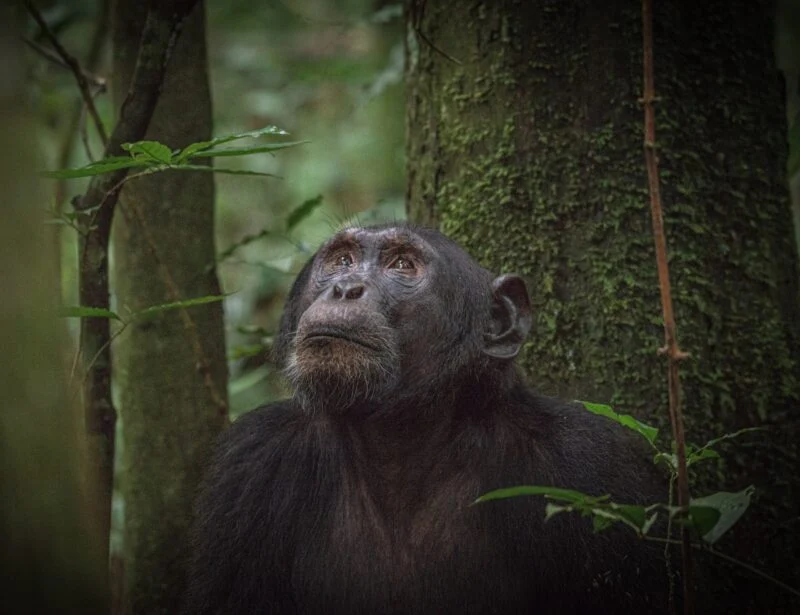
242	531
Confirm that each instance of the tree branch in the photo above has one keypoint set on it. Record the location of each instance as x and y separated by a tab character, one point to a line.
161	30
74	66
91	78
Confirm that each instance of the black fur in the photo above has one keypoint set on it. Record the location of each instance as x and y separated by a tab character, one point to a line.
363	504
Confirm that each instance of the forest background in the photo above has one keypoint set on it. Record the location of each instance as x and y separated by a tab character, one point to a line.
337	75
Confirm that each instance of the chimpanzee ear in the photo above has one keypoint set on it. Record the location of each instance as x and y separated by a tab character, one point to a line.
511	318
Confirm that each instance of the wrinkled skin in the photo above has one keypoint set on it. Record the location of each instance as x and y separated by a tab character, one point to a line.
355	495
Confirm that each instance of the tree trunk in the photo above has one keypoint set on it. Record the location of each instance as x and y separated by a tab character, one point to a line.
525	145
50	559
170	369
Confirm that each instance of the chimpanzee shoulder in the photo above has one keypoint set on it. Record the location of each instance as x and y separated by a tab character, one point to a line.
357	495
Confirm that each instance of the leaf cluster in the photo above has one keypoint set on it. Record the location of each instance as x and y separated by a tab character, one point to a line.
709	517
152	156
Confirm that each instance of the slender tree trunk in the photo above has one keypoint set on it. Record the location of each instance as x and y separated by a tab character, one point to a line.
170	369
50	558
524	143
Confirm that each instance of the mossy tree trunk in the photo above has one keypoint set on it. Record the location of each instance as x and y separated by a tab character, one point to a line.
526	147
170	370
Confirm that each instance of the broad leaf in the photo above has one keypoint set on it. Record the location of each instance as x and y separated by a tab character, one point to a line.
626	420
151	151
728	508
636	515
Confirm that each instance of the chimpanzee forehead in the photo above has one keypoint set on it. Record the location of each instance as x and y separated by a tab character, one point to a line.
380	236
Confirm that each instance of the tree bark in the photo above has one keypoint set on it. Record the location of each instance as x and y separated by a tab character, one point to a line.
525	145
171	369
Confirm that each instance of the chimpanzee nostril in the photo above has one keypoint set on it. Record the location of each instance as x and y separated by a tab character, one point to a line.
354	292
348	291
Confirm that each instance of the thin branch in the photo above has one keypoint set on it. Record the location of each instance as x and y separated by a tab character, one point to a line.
74	66
95	80
704	548
671	348
76	124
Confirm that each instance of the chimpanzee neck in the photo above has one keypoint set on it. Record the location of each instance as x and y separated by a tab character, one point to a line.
396	432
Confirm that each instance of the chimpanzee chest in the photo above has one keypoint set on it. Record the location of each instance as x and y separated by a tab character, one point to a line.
399	555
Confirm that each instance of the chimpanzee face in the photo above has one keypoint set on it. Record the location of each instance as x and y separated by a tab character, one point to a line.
378	310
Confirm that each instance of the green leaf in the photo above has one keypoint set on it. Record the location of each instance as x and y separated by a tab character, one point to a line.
150	151
243	352
245	151
601	522
693	457
567	495
208	169
242	242
156	309
302	211
671	459
190	150
107	165
637	515
626	420
551	510
702	519
648	524
724	508
706	452
80	311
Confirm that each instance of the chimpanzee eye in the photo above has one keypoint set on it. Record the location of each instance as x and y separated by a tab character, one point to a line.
344	260
401	262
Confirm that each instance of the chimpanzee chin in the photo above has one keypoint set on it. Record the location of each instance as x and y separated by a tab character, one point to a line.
355	496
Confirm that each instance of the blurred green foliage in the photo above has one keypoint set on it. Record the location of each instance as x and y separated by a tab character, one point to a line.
326	72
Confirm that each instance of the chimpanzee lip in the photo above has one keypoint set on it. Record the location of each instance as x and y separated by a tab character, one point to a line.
332	333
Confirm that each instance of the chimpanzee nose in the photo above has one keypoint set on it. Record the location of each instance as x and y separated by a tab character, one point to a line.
348	290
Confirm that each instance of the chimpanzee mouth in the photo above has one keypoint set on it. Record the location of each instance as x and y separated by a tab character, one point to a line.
328	333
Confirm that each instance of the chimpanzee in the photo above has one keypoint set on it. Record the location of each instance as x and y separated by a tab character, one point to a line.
356	495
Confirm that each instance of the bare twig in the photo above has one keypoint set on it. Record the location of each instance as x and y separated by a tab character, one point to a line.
74	66
94	80
705	548
75	123
671	348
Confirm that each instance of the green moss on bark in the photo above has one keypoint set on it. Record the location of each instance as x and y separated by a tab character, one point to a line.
529	153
